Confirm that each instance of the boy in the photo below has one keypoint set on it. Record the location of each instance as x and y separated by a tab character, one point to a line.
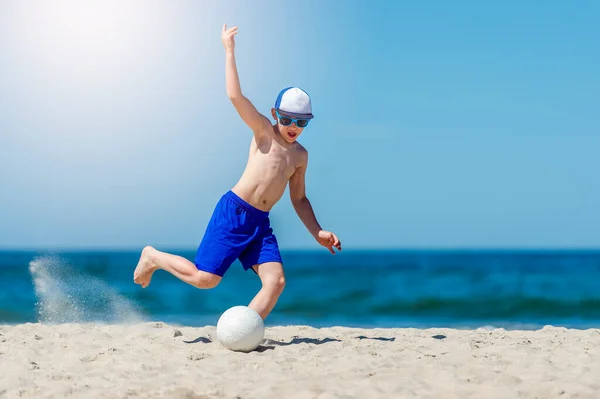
239	227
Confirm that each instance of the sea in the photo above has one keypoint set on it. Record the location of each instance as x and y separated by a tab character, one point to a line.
465	289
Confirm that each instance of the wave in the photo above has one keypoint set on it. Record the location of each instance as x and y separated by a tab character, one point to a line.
471	308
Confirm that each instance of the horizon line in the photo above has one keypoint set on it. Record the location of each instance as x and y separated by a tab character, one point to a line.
317	249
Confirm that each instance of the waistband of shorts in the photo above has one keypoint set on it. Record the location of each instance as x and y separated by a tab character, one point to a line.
255	212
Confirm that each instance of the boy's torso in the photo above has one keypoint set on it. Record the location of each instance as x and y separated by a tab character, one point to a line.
271	164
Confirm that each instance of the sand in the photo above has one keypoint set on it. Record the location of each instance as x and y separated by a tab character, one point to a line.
155	360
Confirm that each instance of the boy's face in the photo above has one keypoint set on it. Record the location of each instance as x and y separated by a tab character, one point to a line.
289	133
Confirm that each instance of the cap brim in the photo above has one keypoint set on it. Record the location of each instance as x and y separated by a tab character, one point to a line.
295	115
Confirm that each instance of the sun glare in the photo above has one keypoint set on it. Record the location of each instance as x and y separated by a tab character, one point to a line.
91	41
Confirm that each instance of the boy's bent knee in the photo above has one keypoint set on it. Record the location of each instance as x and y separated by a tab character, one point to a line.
275	282
271	275
203	279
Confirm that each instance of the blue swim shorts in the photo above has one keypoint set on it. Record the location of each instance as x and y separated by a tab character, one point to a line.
236	230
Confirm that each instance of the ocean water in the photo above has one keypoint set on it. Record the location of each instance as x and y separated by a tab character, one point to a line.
459	289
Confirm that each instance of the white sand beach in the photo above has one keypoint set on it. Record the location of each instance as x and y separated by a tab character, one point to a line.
155	360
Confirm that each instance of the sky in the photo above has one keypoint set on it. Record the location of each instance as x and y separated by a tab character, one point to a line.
438	124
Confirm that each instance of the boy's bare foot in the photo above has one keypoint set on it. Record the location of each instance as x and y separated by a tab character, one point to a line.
145	267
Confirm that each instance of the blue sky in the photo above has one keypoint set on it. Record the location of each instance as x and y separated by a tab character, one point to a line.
438	124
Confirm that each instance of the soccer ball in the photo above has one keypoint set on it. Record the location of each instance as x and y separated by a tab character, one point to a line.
240	329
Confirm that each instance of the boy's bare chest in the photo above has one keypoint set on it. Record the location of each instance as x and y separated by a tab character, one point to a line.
279	160
282	159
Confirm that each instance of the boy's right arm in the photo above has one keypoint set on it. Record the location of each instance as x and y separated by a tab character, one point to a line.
249	114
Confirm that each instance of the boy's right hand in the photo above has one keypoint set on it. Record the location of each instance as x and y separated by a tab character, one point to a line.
227	37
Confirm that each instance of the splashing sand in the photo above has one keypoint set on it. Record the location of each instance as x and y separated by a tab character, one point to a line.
66	295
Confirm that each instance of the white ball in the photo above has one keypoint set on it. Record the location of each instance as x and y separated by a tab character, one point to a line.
240	329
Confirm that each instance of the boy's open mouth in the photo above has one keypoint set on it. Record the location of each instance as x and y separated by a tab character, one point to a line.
292	134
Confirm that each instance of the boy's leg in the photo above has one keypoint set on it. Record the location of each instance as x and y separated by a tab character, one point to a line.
273	282
152	260
217	250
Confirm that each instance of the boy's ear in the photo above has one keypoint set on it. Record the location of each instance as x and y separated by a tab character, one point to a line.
273	113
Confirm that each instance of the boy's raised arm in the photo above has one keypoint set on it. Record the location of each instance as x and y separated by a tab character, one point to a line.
249	114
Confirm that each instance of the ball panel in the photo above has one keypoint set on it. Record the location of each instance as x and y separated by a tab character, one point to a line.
240	329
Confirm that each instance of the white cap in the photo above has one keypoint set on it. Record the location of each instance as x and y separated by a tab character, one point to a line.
294	102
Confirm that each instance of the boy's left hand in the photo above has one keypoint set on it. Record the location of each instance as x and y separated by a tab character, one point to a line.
329	240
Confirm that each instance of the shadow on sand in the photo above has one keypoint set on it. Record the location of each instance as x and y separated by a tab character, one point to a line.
270	344
377	338
204	340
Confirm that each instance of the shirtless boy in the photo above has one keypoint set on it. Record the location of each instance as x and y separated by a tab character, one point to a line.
239	227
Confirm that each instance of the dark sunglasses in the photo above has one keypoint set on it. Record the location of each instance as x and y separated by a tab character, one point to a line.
286	120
